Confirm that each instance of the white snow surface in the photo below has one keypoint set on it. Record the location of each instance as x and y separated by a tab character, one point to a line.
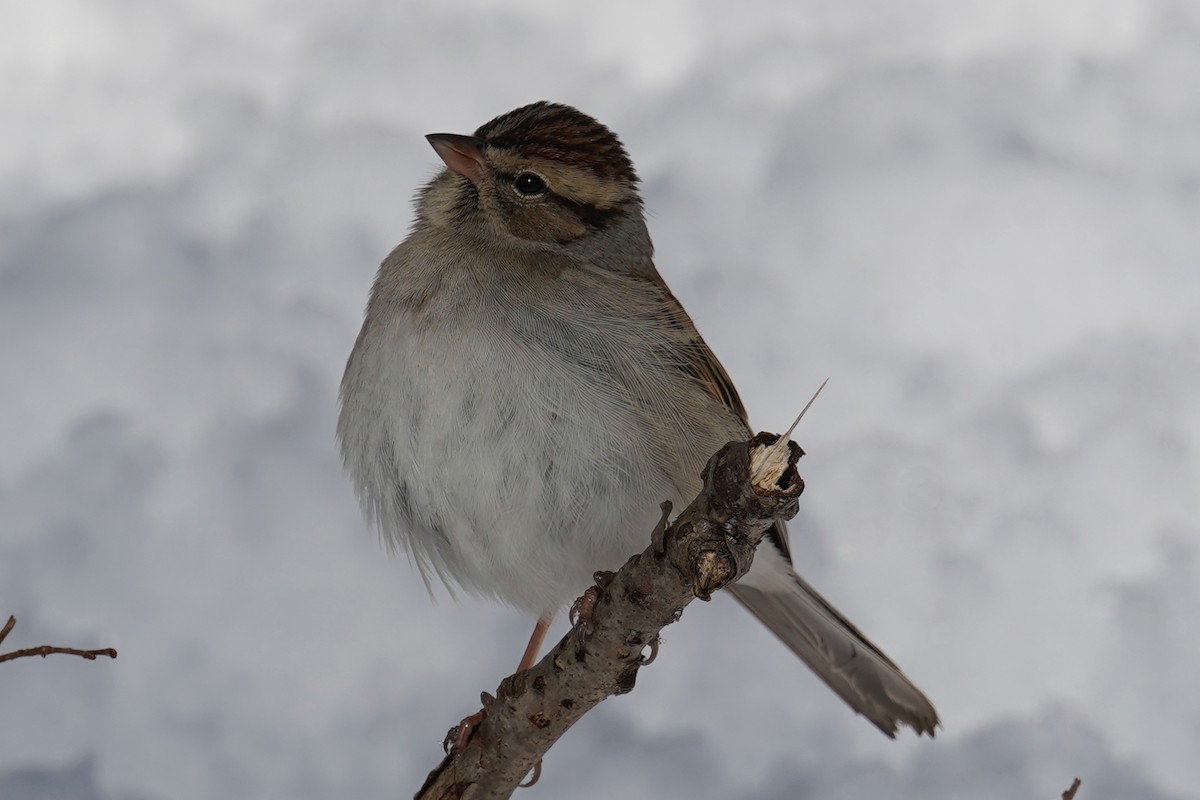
981	220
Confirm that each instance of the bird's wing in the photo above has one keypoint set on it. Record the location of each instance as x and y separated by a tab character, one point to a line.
832	646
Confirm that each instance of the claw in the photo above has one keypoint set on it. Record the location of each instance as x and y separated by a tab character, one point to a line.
582	608
648	660
458	736
534	774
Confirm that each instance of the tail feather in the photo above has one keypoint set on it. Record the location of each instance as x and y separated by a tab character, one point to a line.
837	651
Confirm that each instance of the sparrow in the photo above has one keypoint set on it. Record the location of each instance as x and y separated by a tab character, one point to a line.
526	390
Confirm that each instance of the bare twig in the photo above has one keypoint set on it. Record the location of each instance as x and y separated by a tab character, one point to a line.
709	546
775	460
1069	794
46	649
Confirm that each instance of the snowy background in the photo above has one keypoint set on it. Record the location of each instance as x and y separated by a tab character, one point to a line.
982	220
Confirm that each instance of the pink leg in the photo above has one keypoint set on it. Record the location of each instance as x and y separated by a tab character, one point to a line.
531	653
535	643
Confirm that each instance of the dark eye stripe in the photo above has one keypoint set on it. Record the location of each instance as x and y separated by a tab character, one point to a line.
594	218
589	215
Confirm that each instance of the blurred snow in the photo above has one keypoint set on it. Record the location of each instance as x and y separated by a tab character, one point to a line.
979	219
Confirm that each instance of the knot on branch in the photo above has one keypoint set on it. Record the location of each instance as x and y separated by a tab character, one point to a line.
714	565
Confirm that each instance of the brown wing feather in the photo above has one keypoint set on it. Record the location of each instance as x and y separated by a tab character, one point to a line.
699	361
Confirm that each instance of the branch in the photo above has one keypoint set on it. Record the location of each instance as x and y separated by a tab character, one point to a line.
46	649
1069	794
709	546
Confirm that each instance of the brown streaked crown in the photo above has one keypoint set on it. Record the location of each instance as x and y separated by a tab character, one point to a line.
562	133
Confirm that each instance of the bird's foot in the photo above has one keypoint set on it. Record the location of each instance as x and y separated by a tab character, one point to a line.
581	609
457	737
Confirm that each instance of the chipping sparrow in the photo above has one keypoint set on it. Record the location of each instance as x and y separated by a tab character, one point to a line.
526	390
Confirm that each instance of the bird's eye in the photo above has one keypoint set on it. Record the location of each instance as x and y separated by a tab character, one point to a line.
529	185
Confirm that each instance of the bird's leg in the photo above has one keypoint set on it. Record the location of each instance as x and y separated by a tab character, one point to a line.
531	653
535	642
456	738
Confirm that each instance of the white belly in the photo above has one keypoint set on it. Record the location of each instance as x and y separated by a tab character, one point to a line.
514	476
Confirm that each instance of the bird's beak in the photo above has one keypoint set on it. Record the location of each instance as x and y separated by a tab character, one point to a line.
462	154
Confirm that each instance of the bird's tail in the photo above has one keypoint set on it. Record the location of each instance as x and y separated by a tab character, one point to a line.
839	653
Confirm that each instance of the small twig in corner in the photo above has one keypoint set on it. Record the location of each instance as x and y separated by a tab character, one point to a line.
46	649
1069	794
